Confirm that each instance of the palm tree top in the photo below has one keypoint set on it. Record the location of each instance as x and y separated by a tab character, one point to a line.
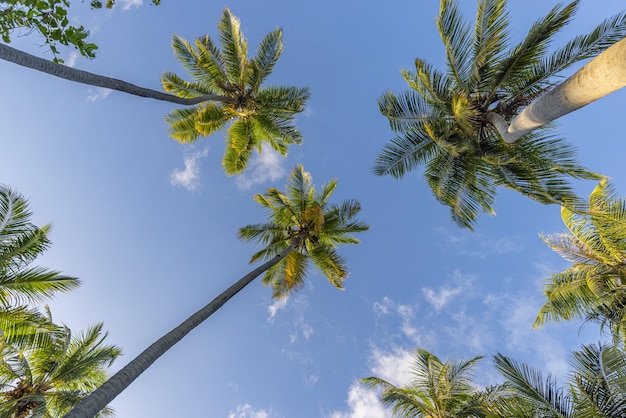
593	287
304	218
443	121
252	112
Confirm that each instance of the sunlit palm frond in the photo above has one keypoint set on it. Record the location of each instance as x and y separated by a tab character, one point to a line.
433	85
284	101
515	64
287	276
405	153
491	35
234	48
546	398
457	40
240	142
261	66
183	88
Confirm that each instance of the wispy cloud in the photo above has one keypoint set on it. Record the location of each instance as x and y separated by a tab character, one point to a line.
277	304
263	167
189	177
440	298
98	93
477	245
246	411
71	60
128	4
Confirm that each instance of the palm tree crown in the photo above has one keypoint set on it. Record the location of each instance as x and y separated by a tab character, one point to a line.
256	114
46	381
21	243
307	221
443	122
438	390
593	288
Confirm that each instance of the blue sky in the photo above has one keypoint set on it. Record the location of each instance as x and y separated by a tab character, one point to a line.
150	225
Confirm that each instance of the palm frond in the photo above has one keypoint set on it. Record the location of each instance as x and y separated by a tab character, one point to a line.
270	49
183	88
234	48
456	36
240	141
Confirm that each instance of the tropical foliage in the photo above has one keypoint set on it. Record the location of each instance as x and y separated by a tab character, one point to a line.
438	389
308	221
443	121
255	114
21	243
596	389
47	380
593	288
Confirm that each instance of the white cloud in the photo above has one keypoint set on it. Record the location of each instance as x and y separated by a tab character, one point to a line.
363	403
246	411
393	366
277	305
71	60
127	4
189	177
263	167
99	93
311	380
439	299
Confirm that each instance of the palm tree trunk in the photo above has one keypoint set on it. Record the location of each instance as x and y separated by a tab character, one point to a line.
30	61
99	398
603	75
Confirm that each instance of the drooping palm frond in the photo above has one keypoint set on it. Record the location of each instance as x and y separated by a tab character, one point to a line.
304	218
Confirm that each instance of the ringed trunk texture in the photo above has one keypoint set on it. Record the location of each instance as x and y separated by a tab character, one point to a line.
98	399
603	75
79	76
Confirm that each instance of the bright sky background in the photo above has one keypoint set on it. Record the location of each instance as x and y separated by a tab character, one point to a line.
150	225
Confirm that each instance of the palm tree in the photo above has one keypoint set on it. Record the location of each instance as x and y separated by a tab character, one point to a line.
605	74
597	387
255	114
443	122
303	226
438	390
46	381
227	91
21	243
594	287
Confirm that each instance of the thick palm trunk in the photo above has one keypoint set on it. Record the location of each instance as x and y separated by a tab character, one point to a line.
30	61
99	398
603	75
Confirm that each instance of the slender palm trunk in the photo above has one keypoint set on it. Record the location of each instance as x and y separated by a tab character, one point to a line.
30	61
603	75
99	398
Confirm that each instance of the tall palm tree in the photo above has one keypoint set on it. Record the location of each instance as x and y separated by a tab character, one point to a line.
594	287
596	389
605	74
227	91
254	114
443	122
303	227
438	390
47	380
21	243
